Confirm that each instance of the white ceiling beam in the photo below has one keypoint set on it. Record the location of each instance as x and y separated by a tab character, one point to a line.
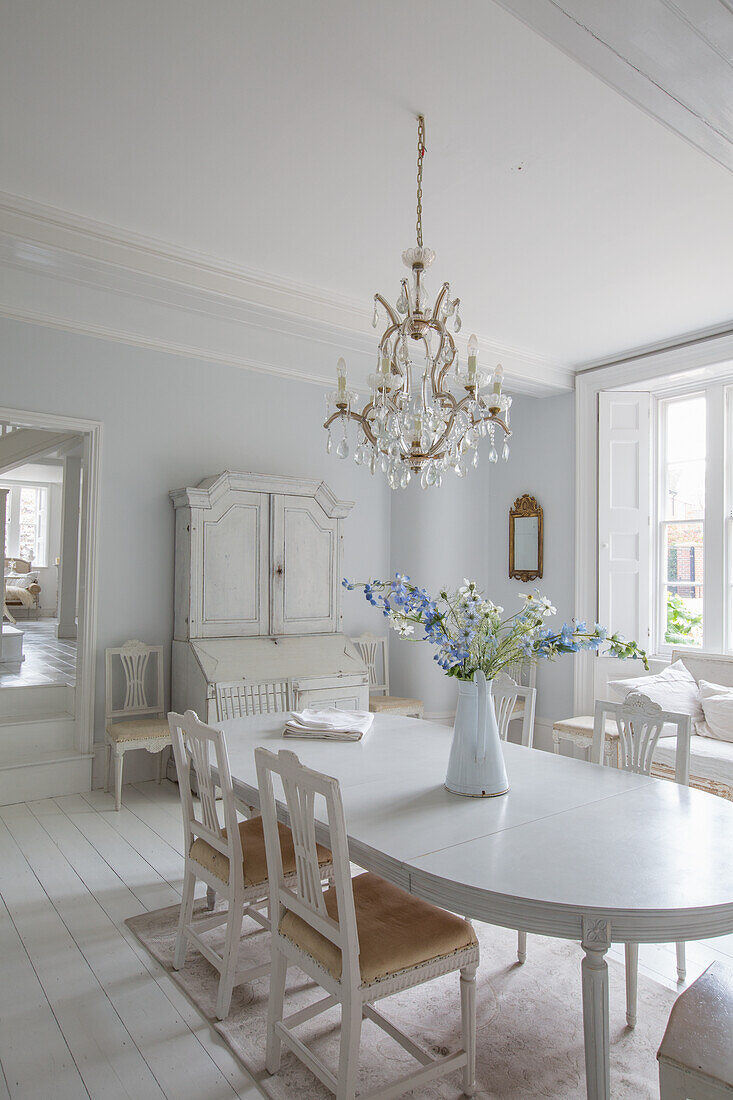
672	59
27	445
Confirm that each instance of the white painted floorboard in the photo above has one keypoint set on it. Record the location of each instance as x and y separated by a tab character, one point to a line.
84	1010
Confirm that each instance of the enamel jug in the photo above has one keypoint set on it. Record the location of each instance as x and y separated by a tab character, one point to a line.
476	763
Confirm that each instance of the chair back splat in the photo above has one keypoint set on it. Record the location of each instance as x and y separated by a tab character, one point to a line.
640	722
239	698
301	787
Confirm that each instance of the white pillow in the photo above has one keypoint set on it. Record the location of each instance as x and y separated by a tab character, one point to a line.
20	580
717	703
674	689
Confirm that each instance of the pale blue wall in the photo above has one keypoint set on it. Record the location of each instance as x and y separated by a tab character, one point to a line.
167	422
462	530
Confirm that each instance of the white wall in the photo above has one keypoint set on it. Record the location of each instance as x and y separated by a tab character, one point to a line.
169	421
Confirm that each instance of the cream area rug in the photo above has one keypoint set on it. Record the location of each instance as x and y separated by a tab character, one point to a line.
530	1027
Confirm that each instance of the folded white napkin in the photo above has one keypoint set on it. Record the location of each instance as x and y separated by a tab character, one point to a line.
329	724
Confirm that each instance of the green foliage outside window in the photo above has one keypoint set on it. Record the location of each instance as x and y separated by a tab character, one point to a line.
681	622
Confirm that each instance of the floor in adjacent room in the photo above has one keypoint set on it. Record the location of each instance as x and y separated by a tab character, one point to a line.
48	659
85	1010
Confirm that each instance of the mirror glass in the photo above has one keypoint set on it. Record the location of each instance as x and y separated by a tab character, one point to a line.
526	543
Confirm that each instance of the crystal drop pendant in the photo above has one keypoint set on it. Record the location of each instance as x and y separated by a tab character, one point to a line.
329	444
402	303
474	460
375	318
493	456
457	323
343	448
505	452
373	463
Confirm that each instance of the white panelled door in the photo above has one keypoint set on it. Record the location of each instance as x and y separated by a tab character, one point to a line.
624	511
305	562
233	575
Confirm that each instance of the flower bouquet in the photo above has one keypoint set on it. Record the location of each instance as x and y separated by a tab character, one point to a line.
474	641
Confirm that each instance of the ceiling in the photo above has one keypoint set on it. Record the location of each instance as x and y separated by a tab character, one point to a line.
278	138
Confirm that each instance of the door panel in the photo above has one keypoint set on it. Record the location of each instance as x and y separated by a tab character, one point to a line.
305	560
235	567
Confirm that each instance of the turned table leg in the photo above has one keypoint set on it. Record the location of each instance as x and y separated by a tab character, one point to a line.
596	942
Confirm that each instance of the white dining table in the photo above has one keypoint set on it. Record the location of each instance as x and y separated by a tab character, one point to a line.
574	850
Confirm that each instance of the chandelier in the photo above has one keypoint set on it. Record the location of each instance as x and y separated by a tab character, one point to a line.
426	413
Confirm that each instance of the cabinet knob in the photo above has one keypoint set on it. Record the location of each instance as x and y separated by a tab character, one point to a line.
279	571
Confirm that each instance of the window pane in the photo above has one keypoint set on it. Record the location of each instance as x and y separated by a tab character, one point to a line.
28	530
685	495
684	616
684	587
685	430
684	547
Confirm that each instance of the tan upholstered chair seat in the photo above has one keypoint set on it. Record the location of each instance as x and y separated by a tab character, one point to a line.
141	729
396	930
253	849
583	724
386	703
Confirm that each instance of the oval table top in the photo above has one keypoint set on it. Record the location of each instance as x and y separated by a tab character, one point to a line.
571	840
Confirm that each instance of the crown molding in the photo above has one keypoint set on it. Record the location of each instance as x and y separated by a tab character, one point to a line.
64	271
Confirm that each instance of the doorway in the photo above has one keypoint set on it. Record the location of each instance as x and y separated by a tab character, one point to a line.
49	485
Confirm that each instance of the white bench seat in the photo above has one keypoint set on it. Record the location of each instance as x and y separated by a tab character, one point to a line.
711	763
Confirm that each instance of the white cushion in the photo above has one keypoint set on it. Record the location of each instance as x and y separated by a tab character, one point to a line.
20	580
673	689
709	759
717	704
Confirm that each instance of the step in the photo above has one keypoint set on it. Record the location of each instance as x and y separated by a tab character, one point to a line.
48	776
11	648
29	736
36	700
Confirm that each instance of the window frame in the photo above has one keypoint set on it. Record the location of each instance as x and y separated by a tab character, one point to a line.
12	548
717	575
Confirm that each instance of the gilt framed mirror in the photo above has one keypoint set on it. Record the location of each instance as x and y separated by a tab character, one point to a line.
525	539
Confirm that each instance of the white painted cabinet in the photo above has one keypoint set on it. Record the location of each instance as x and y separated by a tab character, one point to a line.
257	556
258	591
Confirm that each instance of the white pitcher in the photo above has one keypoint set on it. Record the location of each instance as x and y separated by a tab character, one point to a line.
476	763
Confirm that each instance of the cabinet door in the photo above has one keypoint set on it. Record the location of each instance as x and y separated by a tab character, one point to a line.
233	575
305	564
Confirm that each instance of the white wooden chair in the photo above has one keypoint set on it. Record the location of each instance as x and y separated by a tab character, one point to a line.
507	694
696	1053
639	722
523	673
238	698
361	940
134	706
373	651
512	701
231	861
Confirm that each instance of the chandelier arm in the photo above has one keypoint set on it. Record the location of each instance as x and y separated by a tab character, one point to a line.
439	300
385	304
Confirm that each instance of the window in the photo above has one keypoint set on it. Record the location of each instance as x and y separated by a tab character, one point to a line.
26	523
691	575
681	536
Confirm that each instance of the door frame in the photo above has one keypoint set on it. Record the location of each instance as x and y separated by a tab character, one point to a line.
91	433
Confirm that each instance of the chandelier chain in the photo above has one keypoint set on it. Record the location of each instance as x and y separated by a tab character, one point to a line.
420	156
